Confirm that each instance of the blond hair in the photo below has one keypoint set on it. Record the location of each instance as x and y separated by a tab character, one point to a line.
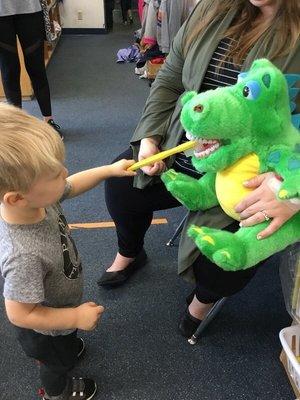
283	29
29	148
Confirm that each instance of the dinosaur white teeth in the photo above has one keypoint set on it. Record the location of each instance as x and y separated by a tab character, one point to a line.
202	144
202	152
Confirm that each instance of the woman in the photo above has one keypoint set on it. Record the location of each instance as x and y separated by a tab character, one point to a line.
220	38
126	7
25	20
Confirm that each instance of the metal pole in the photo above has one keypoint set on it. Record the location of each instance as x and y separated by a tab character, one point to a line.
212	313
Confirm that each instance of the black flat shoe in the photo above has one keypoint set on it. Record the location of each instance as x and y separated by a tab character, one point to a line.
116	278
188	324
56	127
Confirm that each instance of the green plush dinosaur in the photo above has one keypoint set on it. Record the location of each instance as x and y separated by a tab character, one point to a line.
241	130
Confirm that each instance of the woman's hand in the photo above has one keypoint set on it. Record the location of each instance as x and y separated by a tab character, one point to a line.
262	202
149	147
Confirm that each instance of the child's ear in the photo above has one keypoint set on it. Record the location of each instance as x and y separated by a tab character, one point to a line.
14	199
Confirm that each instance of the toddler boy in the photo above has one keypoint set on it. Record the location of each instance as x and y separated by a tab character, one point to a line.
38	258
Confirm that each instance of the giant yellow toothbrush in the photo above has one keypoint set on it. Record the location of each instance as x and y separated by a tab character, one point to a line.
161	156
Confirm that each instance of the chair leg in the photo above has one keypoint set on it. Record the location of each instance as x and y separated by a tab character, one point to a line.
179	228
210	316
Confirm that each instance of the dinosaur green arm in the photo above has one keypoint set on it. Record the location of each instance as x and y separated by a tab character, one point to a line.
286	163
194	194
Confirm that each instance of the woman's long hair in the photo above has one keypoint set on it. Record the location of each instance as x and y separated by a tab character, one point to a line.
246	30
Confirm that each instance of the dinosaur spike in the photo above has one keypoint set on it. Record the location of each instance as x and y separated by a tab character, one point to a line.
293	92
292	79
296	120
242	76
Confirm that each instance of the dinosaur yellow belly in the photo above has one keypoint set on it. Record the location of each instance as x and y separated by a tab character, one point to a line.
229	183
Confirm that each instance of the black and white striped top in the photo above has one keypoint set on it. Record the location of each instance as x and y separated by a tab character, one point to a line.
215	76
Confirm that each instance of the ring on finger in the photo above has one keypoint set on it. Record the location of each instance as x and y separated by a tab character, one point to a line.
266	217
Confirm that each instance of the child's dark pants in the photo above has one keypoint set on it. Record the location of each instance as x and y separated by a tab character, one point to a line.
57	355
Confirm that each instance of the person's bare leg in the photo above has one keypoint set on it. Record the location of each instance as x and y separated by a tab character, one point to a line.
130	17
119	263
46	119
199	310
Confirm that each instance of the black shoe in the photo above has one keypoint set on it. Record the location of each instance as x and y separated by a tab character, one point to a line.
80	389
56	127
81	347
116	278
188	324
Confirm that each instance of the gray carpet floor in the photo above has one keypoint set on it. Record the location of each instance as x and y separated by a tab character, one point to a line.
136	352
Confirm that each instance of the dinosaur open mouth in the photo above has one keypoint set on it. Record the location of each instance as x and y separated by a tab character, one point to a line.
204	147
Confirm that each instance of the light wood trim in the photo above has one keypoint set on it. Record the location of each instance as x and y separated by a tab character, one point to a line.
109	224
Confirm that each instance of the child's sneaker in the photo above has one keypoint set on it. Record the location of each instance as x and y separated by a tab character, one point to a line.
80	389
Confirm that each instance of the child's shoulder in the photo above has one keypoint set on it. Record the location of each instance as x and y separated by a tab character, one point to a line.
31	238
6	241
13	242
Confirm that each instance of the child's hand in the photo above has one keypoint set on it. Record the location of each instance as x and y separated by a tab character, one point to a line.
120	167
88	315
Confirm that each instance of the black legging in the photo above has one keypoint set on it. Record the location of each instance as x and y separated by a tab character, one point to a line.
125	6
132	210
31	33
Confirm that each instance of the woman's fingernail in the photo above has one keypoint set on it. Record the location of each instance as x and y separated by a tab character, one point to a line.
245	182
241	224
258	237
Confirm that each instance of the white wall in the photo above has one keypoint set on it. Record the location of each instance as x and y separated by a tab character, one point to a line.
91	11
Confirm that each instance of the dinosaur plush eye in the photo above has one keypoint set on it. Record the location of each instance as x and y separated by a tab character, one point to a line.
252	90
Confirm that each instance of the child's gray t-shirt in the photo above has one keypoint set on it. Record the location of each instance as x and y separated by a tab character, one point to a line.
40	263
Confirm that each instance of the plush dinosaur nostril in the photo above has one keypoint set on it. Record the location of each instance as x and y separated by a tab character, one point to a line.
199	108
